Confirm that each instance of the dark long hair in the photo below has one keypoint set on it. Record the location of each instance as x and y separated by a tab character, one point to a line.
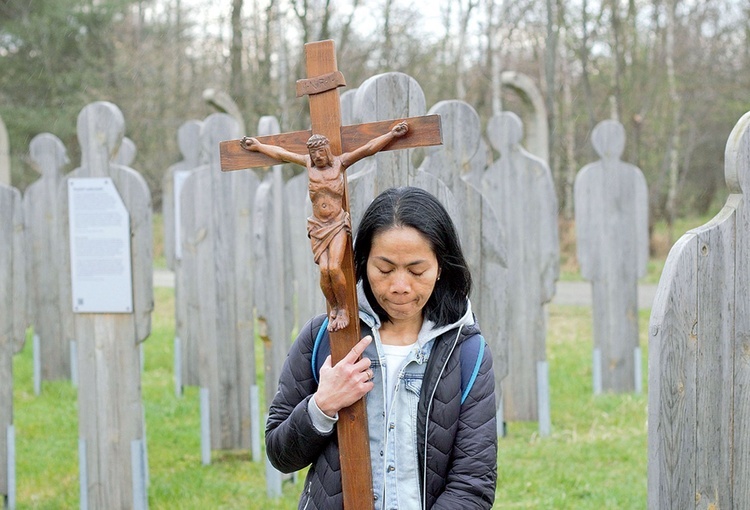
416	208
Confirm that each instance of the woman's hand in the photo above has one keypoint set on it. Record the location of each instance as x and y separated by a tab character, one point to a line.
346	382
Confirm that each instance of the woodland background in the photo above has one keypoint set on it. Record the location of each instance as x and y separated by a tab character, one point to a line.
675	73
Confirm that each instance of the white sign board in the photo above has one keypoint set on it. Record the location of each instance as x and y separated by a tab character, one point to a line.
179	181
100	260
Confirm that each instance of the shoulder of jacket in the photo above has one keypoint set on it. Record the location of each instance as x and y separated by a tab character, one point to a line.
312	326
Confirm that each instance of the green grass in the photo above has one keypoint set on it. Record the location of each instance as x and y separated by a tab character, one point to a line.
160	259
595	457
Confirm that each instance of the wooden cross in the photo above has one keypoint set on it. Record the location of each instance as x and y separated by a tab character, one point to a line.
325	115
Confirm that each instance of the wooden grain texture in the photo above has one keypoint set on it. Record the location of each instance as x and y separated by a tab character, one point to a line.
13	319
482	236
699	402
210	262
188	140
737	161
713	378
273	280
42	206
234	157
4	154
611	213
18	282
672	366
348	105
521	188
194	230
110	410
741	356
242	358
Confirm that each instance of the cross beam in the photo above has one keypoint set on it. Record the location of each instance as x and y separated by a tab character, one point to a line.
325	116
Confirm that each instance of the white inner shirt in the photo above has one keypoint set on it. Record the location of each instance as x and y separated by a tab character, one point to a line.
394	358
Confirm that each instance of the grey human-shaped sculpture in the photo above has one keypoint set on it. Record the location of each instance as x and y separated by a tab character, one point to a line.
41	203
611	214
520	186
699	356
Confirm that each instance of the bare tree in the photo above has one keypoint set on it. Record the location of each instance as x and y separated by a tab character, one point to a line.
568	121
616	44
584	54
676	104
550	68
464	17
495	13
346	28
236	81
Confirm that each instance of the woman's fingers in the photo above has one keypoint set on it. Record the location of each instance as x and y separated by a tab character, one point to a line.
344	383
353	355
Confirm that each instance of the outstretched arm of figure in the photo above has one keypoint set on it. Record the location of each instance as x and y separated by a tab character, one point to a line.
375	145
273	151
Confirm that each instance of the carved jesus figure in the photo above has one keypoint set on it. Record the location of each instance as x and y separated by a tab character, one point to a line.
329	226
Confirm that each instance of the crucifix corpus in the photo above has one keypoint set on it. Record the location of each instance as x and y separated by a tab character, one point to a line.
326	151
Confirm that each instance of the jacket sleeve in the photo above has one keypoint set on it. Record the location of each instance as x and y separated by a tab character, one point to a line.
472	476
292	441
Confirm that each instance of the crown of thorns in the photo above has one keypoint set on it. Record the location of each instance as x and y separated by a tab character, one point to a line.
317	141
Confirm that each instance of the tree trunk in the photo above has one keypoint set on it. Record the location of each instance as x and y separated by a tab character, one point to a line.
385	57
550	69
346	28
619	63
465	16
588	94
282	72
569	132
674	146
494	56
236	83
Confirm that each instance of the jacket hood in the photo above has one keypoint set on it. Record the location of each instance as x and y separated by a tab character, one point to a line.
428	331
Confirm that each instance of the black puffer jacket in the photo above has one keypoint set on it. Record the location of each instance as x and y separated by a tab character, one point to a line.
461	439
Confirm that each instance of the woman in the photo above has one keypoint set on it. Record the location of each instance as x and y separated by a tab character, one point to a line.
433	440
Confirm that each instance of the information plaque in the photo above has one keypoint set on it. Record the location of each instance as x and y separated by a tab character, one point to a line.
100	261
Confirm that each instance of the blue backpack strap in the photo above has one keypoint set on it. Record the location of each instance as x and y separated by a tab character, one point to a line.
472	352
320	352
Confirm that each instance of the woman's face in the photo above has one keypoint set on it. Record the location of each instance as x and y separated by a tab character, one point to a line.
402	270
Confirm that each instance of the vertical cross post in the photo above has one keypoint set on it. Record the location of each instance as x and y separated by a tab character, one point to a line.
354	448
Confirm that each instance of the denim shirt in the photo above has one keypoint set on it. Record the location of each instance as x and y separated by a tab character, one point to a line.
393	433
